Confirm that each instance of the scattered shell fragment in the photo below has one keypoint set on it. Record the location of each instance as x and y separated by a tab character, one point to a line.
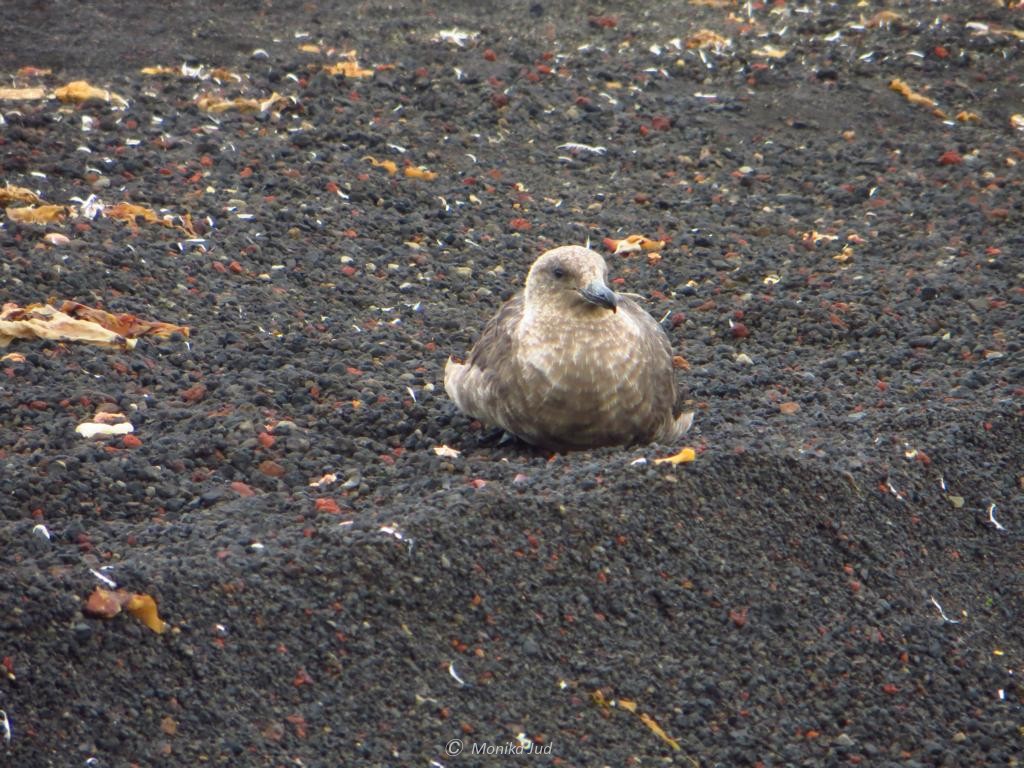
446	452
56	238
456	36
104	428
573	146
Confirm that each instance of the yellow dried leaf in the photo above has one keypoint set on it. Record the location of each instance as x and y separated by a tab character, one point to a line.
39	321
414	172
910	94
40	214
789	408
981	28
685	456
80	90
223	74
22	94
143	608
844	255
129	213
883	19
705	38
770	52
161	70
966	116
634	244
77	322
388	165
107	603
124	324
13	357
816	237
309	48
11	194
627	704
659	731
1017	121
210	103
348	69
914	97
103	604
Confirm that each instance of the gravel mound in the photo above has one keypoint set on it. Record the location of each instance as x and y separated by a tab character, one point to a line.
332	199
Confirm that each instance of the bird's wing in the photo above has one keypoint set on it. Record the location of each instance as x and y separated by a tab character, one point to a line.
483	386
498	336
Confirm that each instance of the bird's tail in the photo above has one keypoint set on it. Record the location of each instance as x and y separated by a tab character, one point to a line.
675	429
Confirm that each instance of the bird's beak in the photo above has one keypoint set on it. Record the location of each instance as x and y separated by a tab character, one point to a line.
600	294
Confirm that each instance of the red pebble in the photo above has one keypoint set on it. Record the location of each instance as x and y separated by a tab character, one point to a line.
330	506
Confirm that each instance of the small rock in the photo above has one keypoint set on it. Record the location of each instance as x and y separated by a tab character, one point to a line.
843	740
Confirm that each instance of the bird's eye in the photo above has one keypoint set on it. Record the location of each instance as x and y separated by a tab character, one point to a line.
558	272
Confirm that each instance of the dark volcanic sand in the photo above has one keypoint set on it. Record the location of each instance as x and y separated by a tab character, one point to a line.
773	603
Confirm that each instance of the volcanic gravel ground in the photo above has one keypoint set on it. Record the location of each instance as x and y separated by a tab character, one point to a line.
827	584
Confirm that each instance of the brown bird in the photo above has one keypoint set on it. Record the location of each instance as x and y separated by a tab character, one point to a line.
569	364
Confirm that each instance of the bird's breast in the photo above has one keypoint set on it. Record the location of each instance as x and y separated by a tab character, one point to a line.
578	357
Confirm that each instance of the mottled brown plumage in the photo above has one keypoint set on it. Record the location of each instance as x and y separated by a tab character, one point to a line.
569	364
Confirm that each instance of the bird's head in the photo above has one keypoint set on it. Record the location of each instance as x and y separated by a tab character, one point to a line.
570	278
